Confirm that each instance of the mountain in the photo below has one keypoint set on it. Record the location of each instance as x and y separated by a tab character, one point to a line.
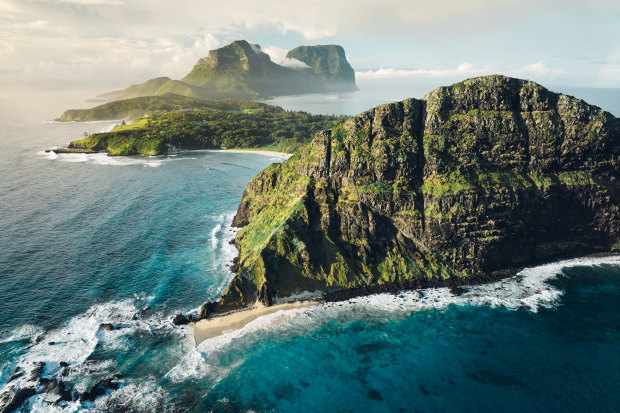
328	63
469	184
241	70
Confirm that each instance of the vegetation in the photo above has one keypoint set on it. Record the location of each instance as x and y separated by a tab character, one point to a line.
138	107
478	179
241	70
232	124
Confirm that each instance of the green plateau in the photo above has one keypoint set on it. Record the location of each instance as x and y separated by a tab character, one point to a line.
469	184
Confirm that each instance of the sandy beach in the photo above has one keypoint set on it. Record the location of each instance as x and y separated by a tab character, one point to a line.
213	327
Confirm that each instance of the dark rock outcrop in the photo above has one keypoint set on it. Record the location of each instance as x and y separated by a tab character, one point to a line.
106	326
180	320
487	175
100	388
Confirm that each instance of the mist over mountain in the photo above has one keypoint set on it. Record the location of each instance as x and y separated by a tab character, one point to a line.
241	70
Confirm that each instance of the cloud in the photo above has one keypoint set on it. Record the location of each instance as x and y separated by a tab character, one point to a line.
609	74
277	54
205	43
36	25
463	70
95	2
154	38
538	69
294	63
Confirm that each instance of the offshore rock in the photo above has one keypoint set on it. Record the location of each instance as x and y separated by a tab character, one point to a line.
475	180
180	320
106	326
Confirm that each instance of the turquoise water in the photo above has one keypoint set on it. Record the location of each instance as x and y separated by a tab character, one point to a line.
133	241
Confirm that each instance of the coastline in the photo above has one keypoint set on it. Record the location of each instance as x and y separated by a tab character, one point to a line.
251	150
207	328
64	150
212	327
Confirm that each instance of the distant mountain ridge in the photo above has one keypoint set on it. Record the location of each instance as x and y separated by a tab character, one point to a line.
241	70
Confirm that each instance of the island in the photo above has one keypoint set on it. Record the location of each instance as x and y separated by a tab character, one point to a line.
241	70
469	184
212	125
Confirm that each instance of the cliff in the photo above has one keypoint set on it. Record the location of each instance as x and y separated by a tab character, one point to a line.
328	63
487	175
241	70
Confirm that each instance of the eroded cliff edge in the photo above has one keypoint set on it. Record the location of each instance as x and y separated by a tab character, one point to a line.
487	174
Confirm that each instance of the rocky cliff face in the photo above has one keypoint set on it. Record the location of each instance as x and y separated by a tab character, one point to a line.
328	63
485	175
244	69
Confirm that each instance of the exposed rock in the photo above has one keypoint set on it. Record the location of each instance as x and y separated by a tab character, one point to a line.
180	320
17	373
11	401
207	309
327	62
467	185
57	388
106	326
100	388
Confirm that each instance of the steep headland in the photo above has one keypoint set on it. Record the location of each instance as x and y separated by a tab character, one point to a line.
328	63
478	178
241	70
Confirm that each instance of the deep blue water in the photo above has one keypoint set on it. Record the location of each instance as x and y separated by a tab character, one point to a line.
133	241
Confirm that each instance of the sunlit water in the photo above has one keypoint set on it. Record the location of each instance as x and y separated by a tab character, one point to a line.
89	239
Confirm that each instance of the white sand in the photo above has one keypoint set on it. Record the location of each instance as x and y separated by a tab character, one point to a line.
213	327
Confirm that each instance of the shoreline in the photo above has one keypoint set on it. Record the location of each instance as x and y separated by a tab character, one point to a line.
250	150
212	327
65	150
217	324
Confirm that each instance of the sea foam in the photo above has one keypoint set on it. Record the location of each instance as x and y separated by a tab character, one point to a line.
529	290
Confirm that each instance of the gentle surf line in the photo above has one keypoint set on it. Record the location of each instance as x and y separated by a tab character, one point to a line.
212	327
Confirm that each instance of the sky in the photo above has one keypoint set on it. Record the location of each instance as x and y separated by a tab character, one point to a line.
114	43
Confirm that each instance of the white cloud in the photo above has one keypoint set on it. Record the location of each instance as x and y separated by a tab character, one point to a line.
463	70
609	75
277	54
36	25
294	63
205	43
539	69
95	2
157	37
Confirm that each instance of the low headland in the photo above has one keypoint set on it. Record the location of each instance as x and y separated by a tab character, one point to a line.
230	124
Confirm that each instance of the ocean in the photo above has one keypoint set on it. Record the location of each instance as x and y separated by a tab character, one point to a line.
132	241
